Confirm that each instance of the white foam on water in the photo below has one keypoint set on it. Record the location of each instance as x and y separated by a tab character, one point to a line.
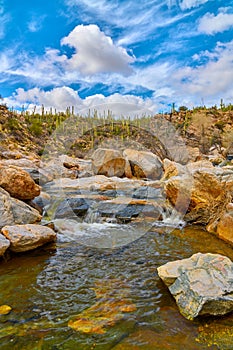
98	235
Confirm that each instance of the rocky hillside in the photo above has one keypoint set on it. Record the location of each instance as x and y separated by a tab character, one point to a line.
209	131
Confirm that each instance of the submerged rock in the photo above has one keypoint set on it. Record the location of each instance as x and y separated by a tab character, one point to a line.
18	183
5	309
27	237
201	285
112	303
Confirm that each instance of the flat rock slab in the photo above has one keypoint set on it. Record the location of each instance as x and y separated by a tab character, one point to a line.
4	244
27	237
201	285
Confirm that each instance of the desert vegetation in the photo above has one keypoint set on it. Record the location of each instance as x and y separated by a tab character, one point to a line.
200	127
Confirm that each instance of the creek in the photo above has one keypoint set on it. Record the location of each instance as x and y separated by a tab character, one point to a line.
49	287
98	288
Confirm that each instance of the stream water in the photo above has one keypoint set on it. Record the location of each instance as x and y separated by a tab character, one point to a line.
114	294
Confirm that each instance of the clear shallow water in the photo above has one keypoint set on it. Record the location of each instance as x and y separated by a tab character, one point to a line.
49	287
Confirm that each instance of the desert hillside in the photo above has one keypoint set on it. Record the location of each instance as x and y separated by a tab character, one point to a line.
207	131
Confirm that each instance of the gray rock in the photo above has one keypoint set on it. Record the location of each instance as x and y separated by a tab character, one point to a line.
14	211
125	212
71	208
23	213
27	237
201	285
145	192
4	244
6	214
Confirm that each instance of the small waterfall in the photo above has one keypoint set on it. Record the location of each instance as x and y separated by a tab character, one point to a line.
170	218
93	216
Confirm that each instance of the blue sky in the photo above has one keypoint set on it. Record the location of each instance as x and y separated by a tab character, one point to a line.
146	54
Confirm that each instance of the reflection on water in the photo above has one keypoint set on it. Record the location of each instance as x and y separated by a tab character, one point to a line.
48	289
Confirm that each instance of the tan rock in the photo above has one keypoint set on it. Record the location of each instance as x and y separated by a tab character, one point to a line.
202	195
172	169
144	164
18	183
54	169
222	226
194	153
108	162
11	155
128	171
70	162
225	228
27	237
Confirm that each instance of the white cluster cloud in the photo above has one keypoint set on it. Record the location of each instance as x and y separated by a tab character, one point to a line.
211	24
63	97
95	55
59	98
95	52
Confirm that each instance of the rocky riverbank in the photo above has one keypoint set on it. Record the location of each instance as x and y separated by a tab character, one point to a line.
128	186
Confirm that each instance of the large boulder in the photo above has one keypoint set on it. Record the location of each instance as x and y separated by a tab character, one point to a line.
14	211
108	162
18	182
144	164
201	285
27	237
4	244
200	194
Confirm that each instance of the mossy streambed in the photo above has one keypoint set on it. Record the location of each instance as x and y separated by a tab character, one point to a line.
73	296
